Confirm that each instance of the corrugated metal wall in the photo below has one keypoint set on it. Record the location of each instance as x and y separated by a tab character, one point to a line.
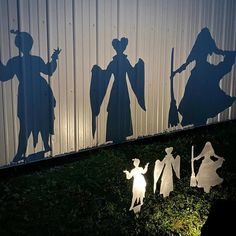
84	30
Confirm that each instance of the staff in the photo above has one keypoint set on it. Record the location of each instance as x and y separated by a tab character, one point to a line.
173	112
193	181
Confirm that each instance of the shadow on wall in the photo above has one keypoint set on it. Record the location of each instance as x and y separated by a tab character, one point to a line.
119	122
203	98
221	219
36	102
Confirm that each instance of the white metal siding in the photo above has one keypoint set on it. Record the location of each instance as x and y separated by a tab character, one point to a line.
84	30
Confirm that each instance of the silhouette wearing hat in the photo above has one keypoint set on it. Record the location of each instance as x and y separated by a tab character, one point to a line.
203	98
139	184
165	168
207	176
119	122
35	98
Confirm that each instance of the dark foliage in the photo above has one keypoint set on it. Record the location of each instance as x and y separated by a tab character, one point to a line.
92	197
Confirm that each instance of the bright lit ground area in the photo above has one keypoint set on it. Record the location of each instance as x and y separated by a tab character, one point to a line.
91	195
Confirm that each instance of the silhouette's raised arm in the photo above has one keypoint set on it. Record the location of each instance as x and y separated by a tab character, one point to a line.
129	175
198	157
225	66
50	67
180	69
145	169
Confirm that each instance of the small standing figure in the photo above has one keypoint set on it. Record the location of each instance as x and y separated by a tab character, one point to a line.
164	167
207	176
139	184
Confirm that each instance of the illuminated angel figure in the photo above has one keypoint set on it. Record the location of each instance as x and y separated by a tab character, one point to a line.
164	167
119	122
207	176
139	184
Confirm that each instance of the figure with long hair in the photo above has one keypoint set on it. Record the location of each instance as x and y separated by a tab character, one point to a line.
207	176
119	122
36	102
139	184
203	98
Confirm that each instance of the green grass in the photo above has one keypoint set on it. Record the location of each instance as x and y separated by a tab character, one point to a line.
92	196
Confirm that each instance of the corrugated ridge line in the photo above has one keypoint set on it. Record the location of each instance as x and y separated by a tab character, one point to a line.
74	74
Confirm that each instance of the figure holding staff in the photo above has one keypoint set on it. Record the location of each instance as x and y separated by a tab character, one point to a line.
207	176
203	98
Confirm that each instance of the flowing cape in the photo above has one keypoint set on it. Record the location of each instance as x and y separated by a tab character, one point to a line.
159	165
137	83
176	166
98	88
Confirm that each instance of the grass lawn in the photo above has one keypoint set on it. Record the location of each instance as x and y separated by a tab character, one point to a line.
91	196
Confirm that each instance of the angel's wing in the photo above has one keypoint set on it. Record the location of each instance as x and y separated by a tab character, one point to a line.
137	82
98	88
176	166
157	172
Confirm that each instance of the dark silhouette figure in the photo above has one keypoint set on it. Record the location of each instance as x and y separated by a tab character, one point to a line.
221	219
119	123
203	98
35	98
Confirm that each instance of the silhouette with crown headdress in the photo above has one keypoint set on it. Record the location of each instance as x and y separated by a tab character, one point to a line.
119	122
203	98
36	102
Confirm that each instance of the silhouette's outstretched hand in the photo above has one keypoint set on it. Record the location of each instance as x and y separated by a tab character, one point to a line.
56	54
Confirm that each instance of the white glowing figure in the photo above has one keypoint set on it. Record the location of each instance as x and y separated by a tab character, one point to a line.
139	184
206	176
164	167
